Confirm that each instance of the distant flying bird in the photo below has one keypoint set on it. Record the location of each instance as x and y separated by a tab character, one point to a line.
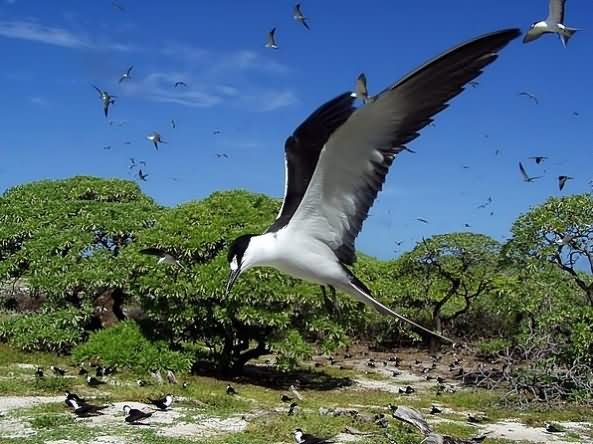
162	403
526	177
305	438
336	163
173	124
271	42
538	159
178	84
142	175
118	6
467	225
485	204
421	219
474	84
225	155
107	147
562	181
552	24
362	92
164	256
216	132
576	113
297	14
127	75
155	138
529	96
106	99
133	416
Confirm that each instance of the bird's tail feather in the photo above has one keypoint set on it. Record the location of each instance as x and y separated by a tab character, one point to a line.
362	294
566	35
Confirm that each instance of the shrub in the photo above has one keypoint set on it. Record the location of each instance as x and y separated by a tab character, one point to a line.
124	346
55	331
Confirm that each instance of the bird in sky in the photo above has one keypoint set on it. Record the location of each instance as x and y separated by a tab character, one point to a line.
126	75
142	175
421	219
336	163
117	6
219	155
178	84
562	181
474	84
106	99
485	204
362	92
216	132
553	24
538	159
297	14
526	177
173	124
271	42
164	256
529	96
133	416
155	138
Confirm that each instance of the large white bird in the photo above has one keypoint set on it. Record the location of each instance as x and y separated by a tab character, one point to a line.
336	163
554	23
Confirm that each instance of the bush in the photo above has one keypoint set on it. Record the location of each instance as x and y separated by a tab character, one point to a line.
54	331
125	346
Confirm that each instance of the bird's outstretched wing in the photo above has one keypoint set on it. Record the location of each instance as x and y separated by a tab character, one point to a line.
354	162
556	11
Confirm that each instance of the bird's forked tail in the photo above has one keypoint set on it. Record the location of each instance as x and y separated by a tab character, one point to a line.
566	33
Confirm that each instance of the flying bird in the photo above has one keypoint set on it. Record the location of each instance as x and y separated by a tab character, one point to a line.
127	75
538	159
421	219
529	96
106	99
133	416
553	24
485	204
162	403
173	125
526	177
216	132
362	92
163	255
562	181
305	438
336	163
178	84
155	138
118	6
142	175
219	155
474	84
297	14
271	42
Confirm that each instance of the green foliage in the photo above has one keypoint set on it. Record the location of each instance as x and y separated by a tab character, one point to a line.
493	346
125	346
56	331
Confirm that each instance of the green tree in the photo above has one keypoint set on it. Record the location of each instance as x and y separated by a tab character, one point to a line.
560	232
443	275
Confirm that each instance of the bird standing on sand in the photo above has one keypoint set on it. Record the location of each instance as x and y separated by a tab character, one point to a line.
162	403
553	24
133	416
305	438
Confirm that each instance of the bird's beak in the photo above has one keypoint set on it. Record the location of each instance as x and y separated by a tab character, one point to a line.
233	275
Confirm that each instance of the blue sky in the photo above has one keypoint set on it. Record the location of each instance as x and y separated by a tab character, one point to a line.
52	125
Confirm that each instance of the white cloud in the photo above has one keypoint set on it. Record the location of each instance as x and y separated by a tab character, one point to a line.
271	100
37	32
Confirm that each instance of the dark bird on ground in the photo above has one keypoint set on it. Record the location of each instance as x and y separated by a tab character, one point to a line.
305	438
126	75
155	138
141	382
411	417
142	175
94	382
178	84
475	419
526	177
106	99
434	410
362	92
271	42
553	428
553	24
57	370
336	163
165	257
562	181
538	159
529	96
85	410
104	371
230	390
408	390
82	371
73	396
133	416
480	437
292	409
162	403
297	14
39	372
286	398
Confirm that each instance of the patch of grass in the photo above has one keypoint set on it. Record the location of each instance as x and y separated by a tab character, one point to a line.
48	421
456	429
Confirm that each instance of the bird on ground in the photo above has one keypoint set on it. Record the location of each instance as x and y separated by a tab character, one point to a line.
538	159
178	84
293	409
85	410
82	371
529	96
297	14
142	175
562	181
164	256
526	177
271	42
104	371
155	138
126	75
286	398
140	382
336	163
553	428
156	374
73	396
475	419
553	24
39	372
306	438
434	410
94	382
171	378
295	392
480	437
230	390
57	370
362	92
106	99
133	416
408	390
162	403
